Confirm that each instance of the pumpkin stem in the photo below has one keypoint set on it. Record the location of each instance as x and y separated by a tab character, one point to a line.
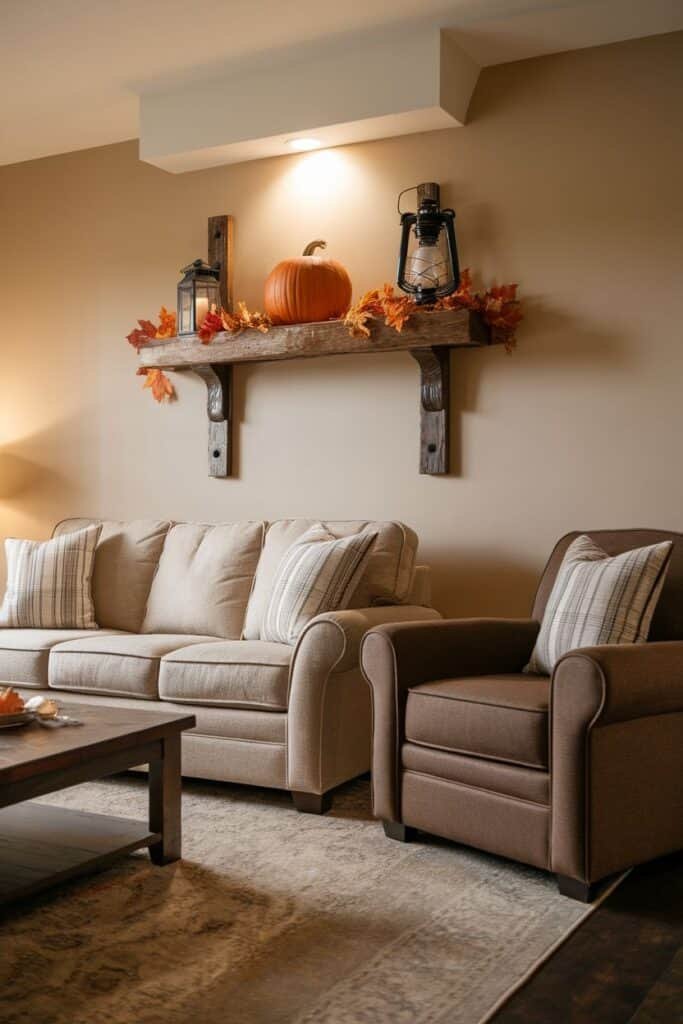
312	246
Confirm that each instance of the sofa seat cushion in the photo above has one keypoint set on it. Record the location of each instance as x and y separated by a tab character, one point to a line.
24	653
123	665
504	717
234	674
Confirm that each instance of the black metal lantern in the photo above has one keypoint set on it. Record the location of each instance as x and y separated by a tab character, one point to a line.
428	259
198	291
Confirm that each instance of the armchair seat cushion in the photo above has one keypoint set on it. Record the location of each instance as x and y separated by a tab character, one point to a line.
232	673
24	653
122	665
501	717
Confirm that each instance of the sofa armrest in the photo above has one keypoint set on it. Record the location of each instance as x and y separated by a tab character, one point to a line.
398	656
328	652
616	721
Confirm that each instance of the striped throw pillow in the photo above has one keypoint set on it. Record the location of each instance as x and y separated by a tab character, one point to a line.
598	599
318	573
48	582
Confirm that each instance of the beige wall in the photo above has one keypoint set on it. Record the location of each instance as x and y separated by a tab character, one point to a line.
567	180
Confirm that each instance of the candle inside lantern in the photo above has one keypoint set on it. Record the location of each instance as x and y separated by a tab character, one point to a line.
201	310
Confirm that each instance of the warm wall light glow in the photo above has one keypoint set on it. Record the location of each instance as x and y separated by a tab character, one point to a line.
318	176
303	145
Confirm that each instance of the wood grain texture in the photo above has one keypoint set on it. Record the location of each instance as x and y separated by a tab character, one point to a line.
42	846
164	801
218	380
32	750
449	328
220	248
620	966
435	408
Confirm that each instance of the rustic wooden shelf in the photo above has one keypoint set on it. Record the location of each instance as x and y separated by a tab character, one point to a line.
428	336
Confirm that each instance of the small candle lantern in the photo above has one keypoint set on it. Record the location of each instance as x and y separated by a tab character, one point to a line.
198	291
428	259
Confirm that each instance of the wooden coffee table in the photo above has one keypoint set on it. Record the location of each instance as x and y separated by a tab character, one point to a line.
41	845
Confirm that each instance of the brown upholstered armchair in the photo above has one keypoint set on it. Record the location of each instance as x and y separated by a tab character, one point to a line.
580	773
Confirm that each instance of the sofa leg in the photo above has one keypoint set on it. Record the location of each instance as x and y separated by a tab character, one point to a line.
312	803
396	830
584	892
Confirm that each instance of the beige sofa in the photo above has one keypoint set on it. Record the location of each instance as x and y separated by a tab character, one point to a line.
179	607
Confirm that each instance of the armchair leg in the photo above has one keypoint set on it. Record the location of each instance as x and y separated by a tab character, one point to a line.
396	830
584	892
312	803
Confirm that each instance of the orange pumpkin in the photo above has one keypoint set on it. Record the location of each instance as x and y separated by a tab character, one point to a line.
307	289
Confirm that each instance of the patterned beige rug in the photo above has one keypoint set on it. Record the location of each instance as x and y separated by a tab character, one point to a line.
277	917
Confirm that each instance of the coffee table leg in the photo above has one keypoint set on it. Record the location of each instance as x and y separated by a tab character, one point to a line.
164	801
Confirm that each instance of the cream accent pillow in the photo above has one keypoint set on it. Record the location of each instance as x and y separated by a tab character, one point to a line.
49	582
598	599
318	573
389	574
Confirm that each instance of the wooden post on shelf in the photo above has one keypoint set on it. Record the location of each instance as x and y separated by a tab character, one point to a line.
220	251
218	376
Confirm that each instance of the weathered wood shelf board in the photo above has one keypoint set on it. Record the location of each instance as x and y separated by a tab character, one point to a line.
427	336
453	329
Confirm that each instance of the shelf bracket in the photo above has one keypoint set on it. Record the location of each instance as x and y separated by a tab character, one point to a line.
435	408
218	380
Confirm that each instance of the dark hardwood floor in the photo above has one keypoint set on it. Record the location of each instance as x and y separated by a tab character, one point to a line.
624	965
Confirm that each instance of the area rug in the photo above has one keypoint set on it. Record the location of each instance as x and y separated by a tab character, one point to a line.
274	916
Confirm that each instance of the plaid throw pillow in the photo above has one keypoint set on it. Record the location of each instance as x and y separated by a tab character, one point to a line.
318	573
598	599
48	582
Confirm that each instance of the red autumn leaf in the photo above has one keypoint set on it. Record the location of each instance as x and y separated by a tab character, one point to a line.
210	326
141	335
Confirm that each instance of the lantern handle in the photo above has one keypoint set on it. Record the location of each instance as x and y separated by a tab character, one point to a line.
411	188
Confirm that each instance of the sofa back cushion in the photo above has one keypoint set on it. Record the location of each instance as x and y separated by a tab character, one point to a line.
667	621
126	559
387	579
204	579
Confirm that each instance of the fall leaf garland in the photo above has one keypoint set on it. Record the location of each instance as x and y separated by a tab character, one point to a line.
147	332
498	306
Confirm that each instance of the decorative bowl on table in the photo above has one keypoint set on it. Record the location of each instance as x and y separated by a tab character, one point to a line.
15	711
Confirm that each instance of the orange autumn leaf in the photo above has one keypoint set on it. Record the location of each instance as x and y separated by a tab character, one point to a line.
243	319
397	308
368	306
167	324
158	383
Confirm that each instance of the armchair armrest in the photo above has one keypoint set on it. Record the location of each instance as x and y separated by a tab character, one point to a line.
398	656
327	695
616	721
621	681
